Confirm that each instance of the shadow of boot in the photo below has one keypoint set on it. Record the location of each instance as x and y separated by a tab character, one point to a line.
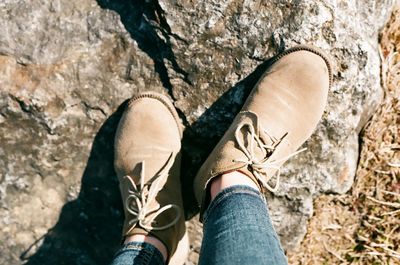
88	230
204	134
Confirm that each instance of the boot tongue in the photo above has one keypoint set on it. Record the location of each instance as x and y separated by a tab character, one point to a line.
253	139
258	149
149	175
151	162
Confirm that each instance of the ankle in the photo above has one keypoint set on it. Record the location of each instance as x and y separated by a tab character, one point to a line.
229	179
151	240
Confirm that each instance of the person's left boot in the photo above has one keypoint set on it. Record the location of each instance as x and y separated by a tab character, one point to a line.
147	163
279	115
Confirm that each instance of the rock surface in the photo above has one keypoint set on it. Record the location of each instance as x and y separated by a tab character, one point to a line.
67	66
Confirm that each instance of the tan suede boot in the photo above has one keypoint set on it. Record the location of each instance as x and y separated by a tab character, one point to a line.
147	163
279	115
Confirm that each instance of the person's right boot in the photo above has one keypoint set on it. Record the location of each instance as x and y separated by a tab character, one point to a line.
279	115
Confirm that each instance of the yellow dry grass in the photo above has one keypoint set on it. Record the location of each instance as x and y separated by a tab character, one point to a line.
363	226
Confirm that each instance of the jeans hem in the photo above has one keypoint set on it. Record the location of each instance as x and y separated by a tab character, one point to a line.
236	189
151	252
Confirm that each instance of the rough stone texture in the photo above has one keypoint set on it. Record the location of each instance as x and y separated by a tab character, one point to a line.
66	67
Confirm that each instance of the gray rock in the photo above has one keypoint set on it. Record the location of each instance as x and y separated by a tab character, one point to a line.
66	67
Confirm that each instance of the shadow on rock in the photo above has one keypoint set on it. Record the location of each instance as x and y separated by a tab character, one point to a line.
89	228
146	24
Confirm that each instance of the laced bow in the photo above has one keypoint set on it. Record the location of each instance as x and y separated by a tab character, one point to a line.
140	198
259	166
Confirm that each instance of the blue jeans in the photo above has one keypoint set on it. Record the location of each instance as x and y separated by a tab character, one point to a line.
237	230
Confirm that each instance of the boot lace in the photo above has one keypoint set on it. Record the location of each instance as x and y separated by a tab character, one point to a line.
138	202
259	166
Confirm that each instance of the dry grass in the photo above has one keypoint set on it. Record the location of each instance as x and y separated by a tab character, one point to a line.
376	191
363	226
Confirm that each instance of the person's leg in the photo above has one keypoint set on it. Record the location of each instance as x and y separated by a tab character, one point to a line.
237	227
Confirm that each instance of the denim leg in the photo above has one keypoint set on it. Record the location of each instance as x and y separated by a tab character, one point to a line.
138	253
238	230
